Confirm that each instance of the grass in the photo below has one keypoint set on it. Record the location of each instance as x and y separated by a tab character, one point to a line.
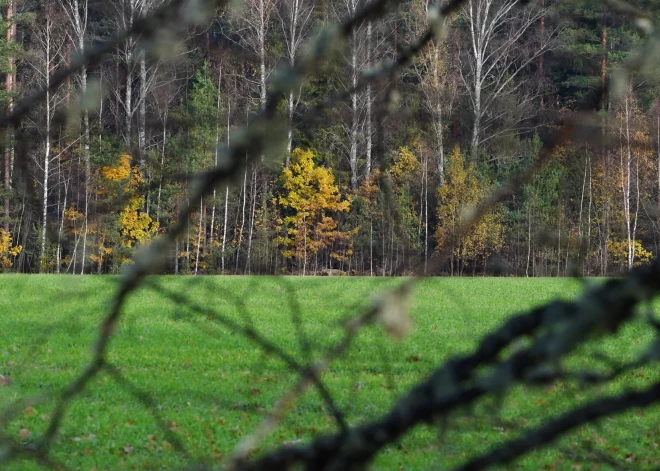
211	387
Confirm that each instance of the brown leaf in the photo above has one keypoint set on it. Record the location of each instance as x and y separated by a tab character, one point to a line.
24	433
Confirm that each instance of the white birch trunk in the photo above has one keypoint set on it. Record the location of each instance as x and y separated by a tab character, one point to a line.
224	224
354	114
217	150
142	112
369	131
254	203
224	227
46	169
162	165
240	234
86	156
199	233
626	161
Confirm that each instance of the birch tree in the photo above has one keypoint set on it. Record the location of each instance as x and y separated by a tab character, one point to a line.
252	23
634	158
438	89
76	12
145	82
10	85
296	21
501	44
348	8
44	60
127	11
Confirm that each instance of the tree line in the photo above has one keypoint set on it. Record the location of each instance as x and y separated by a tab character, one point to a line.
374	185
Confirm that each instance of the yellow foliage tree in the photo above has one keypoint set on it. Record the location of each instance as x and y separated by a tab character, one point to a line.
310	196
7	250
405	165
460	192
124	181
618	250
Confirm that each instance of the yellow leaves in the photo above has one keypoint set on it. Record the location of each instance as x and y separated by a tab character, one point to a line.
310	188
7	250
405	164
618	249
129	177
71	214
310	194
119	173
15	250
136	226
461	191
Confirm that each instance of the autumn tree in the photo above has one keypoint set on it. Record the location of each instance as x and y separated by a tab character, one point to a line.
459	195
7	250
308	200
121	184
634	169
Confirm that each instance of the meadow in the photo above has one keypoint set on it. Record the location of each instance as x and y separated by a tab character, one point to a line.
210	387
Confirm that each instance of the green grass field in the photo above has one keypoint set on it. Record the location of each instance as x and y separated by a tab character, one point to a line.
211	387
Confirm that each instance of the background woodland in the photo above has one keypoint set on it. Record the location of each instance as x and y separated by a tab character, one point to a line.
370	186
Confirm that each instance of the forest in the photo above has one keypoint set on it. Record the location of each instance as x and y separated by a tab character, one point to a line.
375	184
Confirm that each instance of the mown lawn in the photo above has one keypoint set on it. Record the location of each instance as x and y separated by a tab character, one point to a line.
211	387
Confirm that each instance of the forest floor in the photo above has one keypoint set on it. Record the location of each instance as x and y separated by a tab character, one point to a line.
211	387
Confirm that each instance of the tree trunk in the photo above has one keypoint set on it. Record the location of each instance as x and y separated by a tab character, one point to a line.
529	238
304	245
626	161
254	204
354	113
369	99
60	233
86	157
162	165
176	257
142	113
128	98
200	229
371	247
9	89
224	228
46	169
240	234
426	213
217	150
603	60
224	225
582	245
